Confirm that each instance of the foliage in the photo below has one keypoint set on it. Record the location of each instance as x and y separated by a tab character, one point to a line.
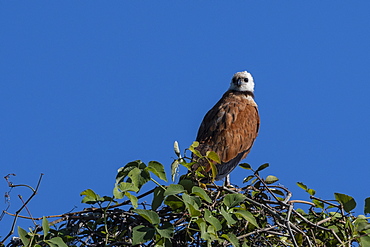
190	213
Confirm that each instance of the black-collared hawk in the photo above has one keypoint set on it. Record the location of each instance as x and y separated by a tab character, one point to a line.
231	126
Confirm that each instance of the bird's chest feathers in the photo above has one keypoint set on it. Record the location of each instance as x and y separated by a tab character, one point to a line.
234	107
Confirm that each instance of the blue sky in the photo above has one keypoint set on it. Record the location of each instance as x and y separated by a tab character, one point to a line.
88	86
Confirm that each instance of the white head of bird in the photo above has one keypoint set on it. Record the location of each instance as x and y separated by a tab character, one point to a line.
242	81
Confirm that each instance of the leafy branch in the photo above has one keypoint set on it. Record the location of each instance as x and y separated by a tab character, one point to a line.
190	213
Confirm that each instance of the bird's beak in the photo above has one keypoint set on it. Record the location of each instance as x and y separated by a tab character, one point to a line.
239	83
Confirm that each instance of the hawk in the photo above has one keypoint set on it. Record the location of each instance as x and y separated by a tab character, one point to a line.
230	127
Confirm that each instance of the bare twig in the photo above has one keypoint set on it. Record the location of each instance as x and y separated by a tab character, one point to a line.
301	201
34	192
325	201
288	226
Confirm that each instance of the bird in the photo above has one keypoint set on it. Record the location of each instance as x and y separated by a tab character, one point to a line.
229	128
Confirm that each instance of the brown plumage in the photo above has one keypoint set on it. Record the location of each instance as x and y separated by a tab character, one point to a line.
231	126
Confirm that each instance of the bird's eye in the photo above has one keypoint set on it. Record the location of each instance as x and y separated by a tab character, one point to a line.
246	79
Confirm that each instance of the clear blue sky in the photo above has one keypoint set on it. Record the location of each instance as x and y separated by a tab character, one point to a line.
87	86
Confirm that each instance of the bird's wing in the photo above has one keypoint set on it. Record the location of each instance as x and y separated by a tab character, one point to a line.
230	127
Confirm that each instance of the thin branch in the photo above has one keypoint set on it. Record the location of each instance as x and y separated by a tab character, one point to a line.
301	201
288	226
257	231
34	192
266	186
329	203
28	211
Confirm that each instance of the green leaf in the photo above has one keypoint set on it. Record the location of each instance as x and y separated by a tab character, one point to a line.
157	169
247	216
363	227
262	167
335	215
124	171
248	178
58	241
187	184
271	179
367	206
213	233
298	238
228	217
158	196
45	226
90	197
201	193
132	198
117	194
174	169
149	215
347	201
50	243
300	211
302	185
193	211
196	152
142	234
123	186
318	203
163	242
189	165
193	200
195	144
212	220
257	185
89	193
193	150
278	192
139	176
231	238
253	182
214	170
173	189
231	200
174	202
245	166
23	235
166	230
192	204
365	239
213	156
203	229
361	223
245	244
311	192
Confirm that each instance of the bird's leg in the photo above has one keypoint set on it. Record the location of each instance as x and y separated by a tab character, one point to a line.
227	181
